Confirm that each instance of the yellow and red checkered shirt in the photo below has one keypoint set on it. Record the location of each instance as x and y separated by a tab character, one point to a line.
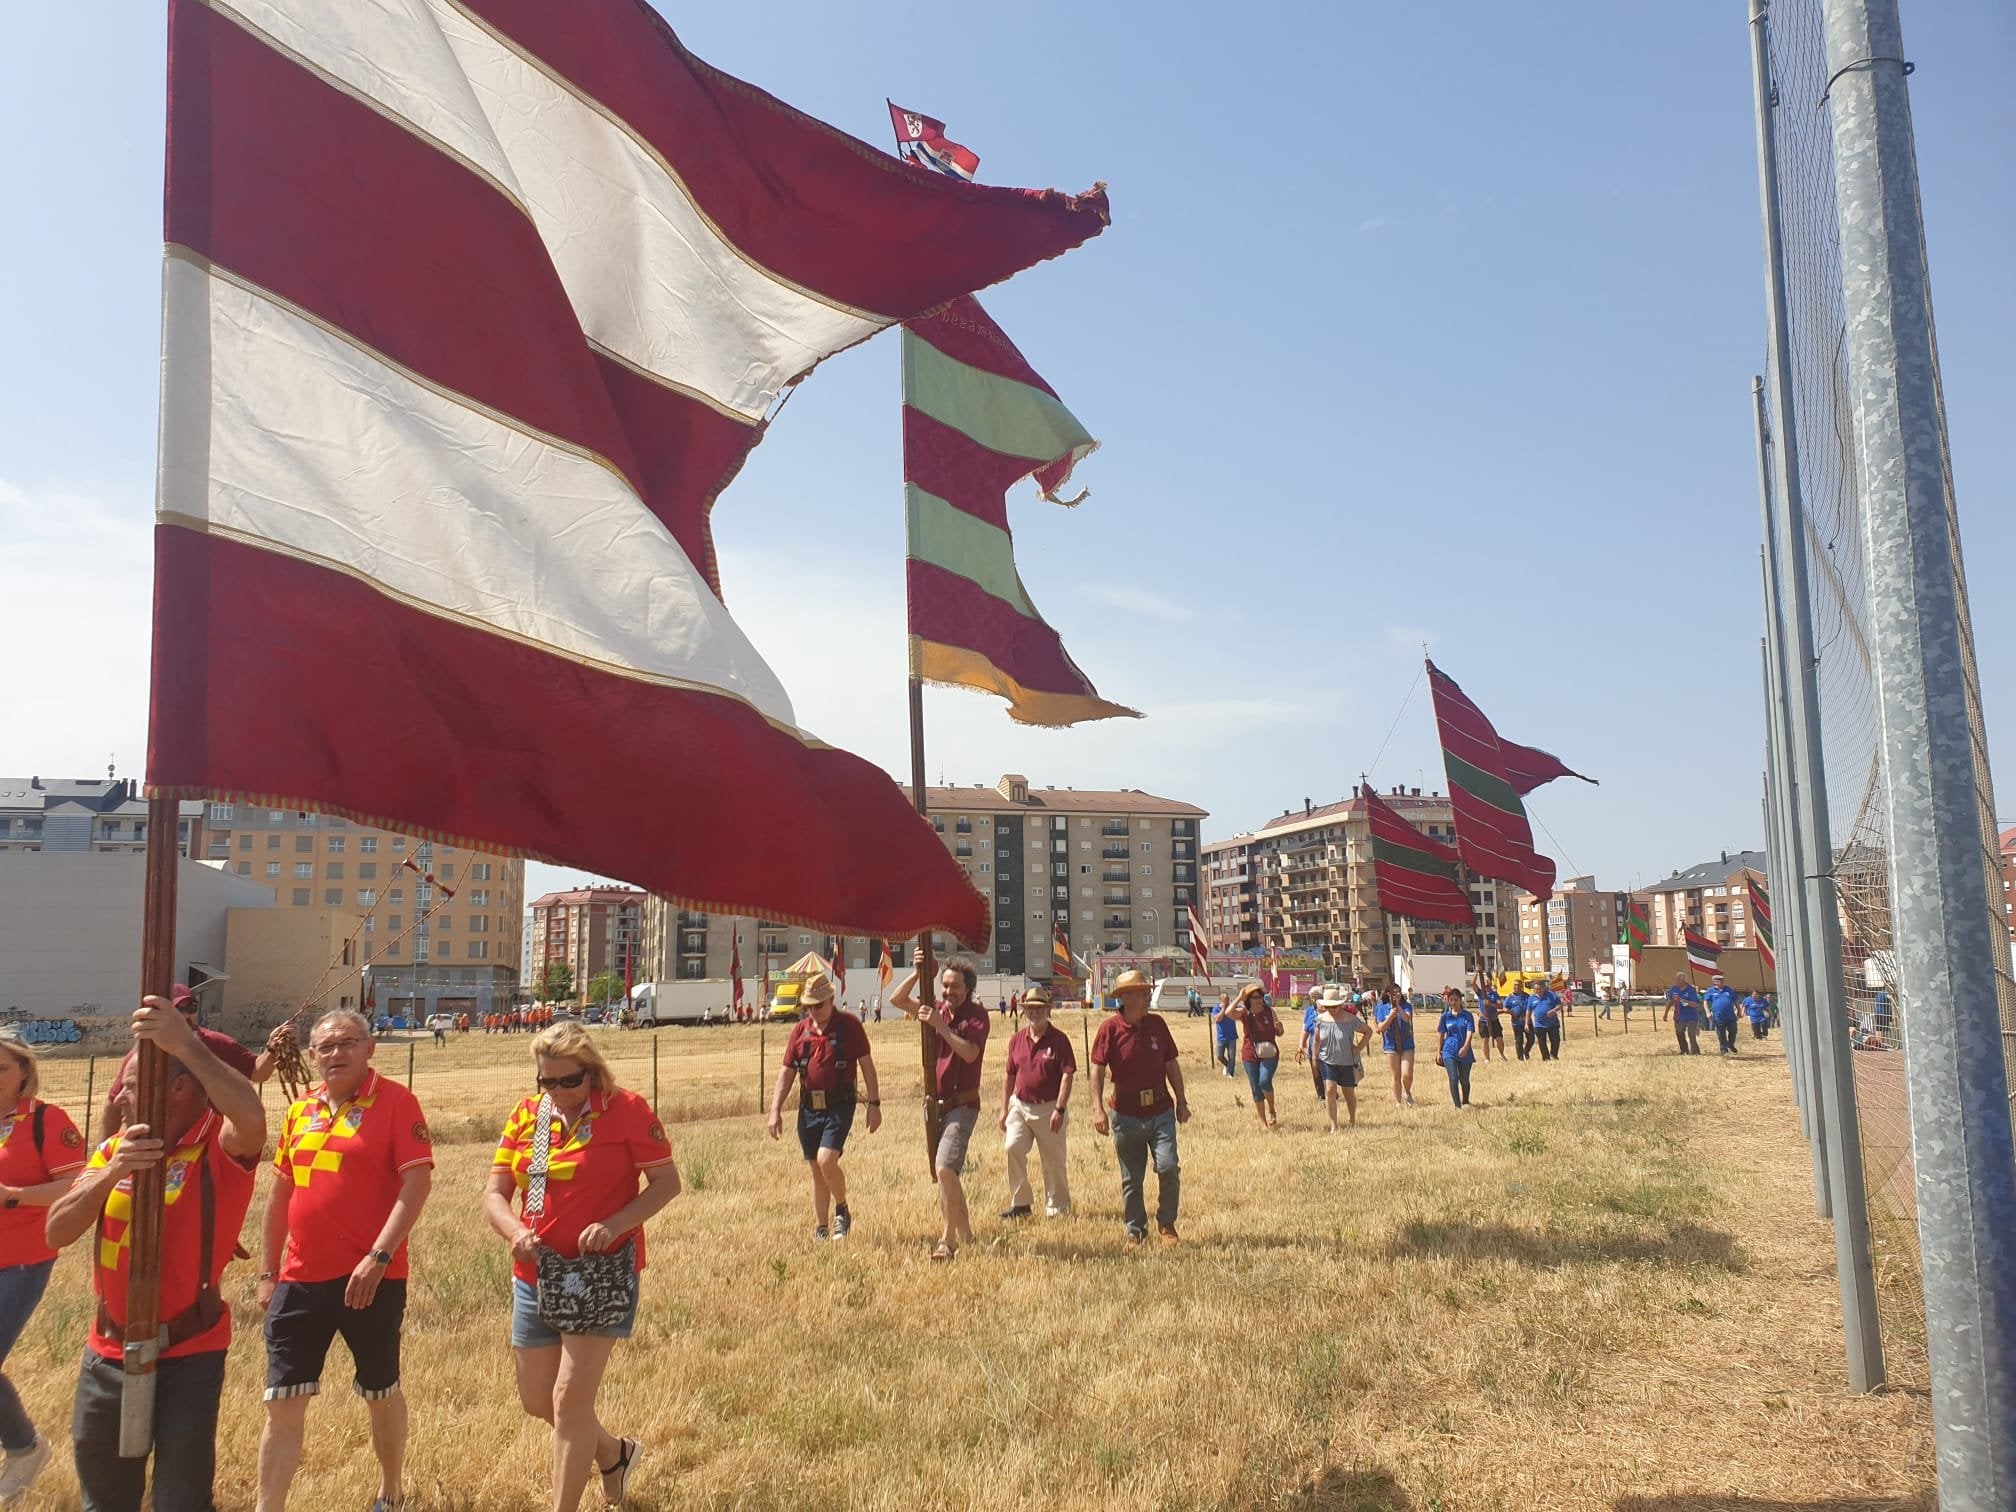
181	1234
592	1173
346	1163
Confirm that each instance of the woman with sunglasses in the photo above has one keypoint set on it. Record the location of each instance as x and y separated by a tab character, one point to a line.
589	1164
41	1153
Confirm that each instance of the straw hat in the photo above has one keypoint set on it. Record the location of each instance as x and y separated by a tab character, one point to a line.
1036	995
1247	991
816	990
1336	997
1131	980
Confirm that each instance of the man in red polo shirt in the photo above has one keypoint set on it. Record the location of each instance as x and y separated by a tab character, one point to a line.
215	1132
352	1171
256	1068
1034	1096
960	1024
827	1049
1136	1047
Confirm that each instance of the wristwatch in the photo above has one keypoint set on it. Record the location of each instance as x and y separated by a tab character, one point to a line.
383	1257
13	1201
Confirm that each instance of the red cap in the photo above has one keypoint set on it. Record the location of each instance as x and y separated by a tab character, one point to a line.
181	997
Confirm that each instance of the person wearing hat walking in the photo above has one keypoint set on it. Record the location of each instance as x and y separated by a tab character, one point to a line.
829	1052
1136	1048
960	1024
1261	1052
1034	1097
1340	1039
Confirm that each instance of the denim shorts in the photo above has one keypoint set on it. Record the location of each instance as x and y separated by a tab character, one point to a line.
529	1330
1339	1076
825	1128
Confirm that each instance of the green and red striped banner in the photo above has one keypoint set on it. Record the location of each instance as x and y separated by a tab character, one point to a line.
1416	877
1637	927
1761	934
977	419
1493	835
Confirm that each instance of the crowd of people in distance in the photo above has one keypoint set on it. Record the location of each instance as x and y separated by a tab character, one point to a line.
1687	1006
517	1021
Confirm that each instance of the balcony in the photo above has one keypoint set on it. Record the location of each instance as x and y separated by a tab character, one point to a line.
1117	827
1119	924
1113	876
1114	853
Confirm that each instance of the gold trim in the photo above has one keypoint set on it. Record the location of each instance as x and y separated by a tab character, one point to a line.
754	422
961	667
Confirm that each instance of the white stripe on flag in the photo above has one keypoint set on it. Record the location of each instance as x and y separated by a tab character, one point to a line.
651	278
304	441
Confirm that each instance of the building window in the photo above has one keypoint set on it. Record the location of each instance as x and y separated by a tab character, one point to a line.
480	923
301	897
244	868
333	871
272	842
333	897
447	870
442	950
244	842
398	842
986	866
1147	871
272	868
366	870
221	811
480	872
304	843
368	844
479	950
304	869
366	896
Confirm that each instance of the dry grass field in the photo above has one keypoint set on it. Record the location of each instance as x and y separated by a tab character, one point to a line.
1602	1287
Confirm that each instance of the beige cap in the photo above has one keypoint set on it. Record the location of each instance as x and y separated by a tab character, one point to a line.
1036	995
815	991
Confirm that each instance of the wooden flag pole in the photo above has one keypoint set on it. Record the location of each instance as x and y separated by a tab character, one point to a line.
142	1338
927	968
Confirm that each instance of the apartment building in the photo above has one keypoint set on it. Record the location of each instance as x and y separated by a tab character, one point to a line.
424	949
1118	867
1303	881
1576	926
591	930
97	814
1713	897
2005	902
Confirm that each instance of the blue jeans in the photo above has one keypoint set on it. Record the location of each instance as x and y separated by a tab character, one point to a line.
21	1288
1135	1140
1260	1077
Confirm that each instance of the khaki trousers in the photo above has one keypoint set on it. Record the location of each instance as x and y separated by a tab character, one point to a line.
1029	1123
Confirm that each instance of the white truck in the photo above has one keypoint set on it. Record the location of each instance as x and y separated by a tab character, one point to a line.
686	1002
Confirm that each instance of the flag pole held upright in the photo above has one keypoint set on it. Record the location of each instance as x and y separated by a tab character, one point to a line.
927	969
142	1338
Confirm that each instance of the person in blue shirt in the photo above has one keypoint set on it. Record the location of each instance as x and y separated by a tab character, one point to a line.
1458	1029
1490	1022
1394	1019
1543	1018
1225	1030
1311	1011
1683	1007
1722	1010
1757	1008
1517	1005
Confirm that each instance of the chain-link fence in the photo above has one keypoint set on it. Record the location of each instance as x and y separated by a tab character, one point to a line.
1879	1018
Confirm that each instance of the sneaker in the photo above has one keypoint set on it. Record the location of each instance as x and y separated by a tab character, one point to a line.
1018	1211
819	1234
616	1481
21	1469
1167	1234
843	1223
1134	1240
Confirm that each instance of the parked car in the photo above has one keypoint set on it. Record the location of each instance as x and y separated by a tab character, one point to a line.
440	1021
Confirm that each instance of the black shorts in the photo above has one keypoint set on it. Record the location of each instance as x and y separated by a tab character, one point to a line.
306	1315
825	1128
1342	1076
1491	1029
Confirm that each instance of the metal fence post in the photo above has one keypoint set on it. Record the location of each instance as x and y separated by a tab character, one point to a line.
90	1117
654	1071
1942	922
1808	836
409	1065
762	1065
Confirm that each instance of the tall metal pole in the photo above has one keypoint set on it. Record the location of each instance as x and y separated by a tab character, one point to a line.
1941	920
1812	843
927	968
1775	863
141	1341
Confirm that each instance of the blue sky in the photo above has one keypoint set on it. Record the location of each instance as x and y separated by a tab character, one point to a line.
1415	323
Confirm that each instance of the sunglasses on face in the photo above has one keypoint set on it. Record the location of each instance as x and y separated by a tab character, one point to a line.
555	1083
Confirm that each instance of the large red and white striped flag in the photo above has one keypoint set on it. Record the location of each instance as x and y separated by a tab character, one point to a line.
1200	943
471	309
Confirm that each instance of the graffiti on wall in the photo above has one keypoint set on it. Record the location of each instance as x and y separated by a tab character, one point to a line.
43	1031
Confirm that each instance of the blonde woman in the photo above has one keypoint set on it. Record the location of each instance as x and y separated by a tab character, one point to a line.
41	1153
577	1245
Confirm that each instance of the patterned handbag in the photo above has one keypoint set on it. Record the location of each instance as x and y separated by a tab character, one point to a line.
584	1294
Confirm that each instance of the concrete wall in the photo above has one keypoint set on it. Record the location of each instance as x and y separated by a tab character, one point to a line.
277	958
70	928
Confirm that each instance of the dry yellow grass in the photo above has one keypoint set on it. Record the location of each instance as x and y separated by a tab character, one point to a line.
1604	1287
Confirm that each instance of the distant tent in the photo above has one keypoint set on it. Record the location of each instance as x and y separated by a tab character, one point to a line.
791	981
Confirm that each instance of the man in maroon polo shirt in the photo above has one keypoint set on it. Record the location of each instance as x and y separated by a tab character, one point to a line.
1034	1096
1138	1050
960	1024
827	1049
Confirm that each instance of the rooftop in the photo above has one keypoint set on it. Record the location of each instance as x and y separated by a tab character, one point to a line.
1713	873
1311	814
1015	794
95	795
615	896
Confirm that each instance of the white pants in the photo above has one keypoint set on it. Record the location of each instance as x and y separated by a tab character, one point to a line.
1029	1123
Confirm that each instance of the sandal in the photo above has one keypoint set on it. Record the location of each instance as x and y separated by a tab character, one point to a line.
626	1459
943	1251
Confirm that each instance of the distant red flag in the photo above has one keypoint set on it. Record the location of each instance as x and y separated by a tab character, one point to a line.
735	964
1703	954
837	954
923	141
1200	943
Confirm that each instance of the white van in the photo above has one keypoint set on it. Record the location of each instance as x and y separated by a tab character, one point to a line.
1172	994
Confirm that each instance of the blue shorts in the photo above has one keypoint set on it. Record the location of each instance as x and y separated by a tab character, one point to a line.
529	1330
1339	1076
1397	1045
1260	1076
825	1129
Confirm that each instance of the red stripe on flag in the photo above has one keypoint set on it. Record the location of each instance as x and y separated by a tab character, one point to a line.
281	679
954	611
743	153
405	250
967	333
947	462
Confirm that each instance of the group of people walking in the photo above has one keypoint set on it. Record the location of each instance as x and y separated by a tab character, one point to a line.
1687	1006
581	1165
1338	1024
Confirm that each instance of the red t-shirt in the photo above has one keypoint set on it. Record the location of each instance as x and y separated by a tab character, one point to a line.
817	1055
956	1076
1261	1026
589	1176
1036	1067
1138	1056
347	1164
181	1234
219	1044
22	1165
